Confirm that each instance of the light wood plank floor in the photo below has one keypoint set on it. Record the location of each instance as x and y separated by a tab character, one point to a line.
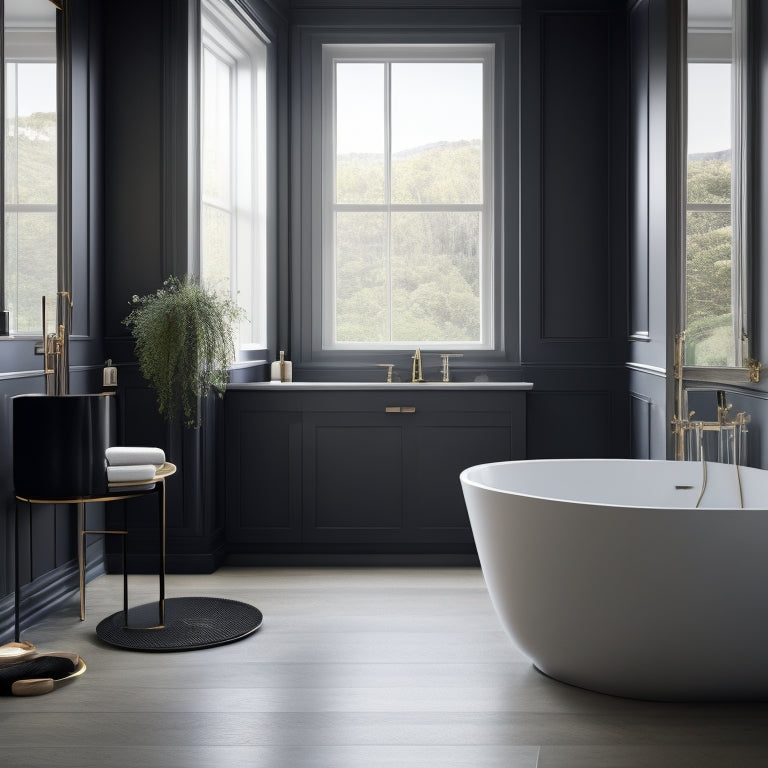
353	667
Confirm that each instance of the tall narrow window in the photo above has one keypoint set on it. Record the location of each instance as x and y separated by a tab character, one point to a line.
407	200
233	164
715	314
30	258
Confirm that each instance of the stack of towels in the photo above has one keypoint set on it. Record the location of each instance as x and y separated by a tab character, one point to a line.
133	464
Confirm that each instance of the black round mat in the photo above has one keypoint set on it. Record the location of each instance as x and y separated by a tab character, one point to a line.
191	623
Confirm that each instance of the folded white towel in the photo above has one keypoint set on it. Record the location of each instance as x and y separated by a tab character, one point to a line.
136	473
120	455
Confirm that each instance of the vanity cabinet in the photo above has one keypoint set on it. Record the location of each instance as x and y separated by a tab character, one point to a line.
360	471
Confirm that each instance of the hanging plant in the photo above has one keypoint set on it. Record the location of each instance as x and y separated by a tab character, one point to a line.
185	345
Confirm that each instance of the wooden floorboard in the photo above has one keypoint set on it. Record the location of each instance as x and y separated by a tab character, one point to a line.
352	667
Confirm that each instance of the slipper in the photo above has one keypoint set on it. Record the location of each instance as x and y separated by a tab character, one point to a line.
40	674
13	653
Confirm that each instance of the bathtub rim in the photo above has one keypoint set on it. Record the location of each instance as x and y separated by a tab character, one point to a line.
464	477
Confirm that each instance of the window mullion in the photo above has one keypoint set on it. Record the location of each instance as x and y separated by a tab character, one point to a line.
709	207
234	164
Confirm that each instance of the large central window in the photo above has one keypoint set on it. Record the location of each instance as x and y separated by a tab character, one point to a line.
407	196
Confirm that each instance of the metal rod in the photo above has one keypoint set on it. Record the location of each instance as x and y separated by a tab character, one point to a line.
81	554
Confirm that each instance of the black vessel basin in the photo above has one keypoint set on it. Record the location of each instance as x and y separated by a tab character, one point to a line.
59	444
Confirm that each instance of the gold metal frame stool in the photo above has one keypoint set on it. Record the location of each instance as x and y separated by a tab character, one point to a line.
115	492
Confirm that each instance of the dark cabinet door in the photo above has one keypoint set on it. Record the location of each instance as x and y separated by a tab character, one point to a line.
353	477
391	475
439	448
263	476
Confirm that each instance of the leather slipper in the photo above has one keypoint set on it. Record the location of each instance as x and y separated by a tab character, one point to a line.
13	653
40	674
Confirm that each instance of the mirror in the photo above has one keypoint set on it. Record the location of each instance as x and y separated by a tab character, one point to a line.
33	171
715	310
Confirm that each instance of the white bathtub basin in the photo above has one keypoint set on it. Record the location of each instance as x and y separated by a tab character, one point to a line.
608	577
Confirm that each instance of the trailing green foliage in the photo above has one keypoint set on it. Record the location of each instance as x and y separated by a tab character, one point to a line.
184	344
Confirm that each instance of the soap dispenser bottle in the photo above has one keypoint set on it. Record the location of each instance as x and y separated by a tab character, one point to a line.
282	370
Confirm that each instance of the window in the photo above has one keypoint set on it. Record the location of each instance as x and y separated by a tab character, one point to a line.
31	230
715	308
233	172
408	189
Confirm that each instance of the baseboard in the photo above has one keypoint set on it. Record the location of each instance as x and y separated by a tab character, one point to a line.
202	562
310	559
44	594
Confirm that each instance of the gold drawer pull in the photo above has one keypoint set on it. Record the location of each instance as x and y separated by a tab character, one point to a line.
400	409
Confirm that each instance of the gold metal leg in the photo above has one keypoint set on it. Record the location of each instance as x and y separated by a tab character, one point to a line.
81	554
162	553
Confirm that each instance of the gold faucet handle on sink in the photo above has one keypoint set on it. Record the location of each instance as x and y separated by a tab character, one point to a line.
389	367
446	356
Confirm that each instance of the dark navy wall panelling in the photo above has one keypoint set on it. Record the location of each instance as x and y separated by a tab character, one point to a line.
577	264
653	32
573	186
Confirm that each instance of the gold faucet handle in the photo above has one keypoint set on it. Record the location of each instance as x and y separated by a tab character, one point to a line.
389	367
416	370
446	356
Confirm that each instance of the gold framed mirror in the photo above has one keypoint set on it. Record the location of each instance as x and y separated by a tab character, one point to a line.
35	175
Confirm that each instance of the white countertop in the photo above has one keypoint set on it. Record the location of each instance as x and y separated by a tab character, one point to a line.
382	385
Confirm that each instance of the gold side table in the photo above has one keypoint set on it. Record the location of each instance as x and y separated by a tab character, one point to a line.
115	492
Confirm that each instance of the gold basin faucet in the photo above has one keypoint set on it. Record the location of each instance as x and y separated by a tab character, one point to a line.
446	356
416	371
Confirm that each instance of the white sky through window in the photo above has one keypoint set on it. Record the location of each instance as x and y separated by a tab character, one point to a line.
37	88
709	113
432	102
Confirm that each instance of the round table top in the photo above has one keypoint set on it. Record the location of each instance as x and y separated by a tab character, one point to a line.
115	491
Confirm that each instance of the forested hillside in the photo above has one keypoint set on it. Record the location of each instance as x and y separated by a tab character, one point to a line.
429	287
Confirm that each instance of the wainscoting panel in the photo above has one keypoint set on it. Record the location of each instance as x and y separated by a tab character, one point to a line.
650	432
570	425
639	426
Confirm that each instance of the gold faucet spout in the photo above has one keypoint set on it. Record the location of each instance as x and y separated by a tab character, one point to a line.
416	370
56	347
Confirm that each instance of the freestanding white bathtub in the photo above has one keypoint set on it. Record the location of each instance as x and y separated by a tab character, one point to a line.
608	577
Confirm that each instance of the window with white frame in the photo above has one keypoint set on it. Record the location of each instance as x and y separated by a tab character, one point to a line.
233	168
715	310
408	191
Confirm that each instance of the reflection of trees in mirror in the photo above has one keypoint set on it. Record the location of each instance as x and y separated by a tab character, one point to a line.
31	164
709	329
31	235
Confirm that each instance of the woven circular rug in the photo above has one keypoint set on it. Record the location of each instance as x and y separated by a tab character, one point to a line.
191	623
